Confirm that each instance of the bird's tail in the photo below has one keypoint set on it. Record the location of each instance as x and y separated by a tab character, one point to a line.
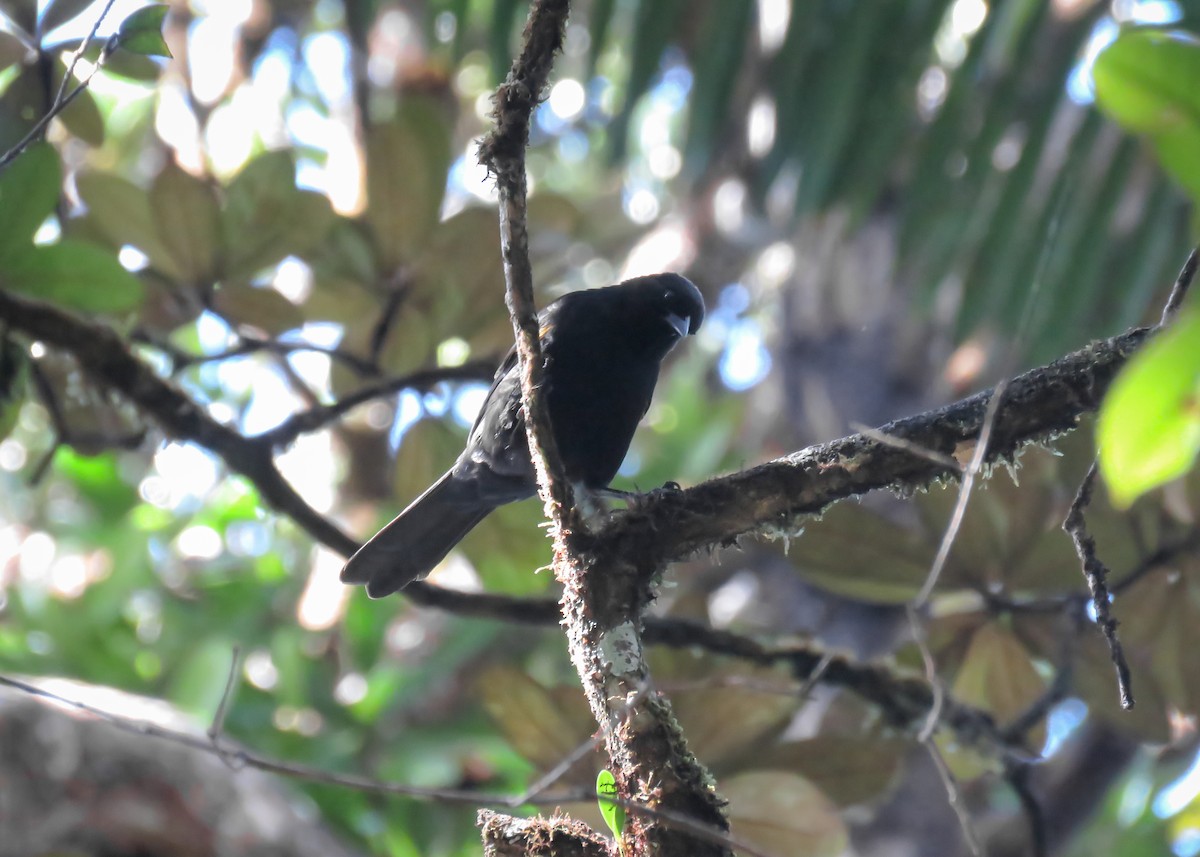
418	538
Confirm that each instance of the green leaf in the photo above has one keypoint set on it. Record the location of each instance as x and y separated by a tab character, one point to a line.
75	275
1178	152
654	25
542	726
266	218
122	64
82	117
849	769
98	479
855	552
120	213
1149	426
141	32
199	682
263	308
783	813
724	42
614	814
724	721
1145	80
287	647
29	190
23	104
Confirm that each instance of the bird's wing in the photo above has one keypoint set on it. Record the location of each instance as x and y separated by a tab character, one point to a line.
508	365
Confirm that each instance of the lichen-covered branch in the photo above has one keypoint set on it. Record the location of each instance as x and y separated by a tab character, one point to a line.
506	836
503	153
602	602
773	498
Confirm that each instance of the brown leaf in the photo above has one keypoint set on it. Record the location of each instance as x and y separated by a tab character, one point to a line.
188	223
407	160
542	727
998	675
856	552
120	211
848	768
266	218
723	720
784	814
262	308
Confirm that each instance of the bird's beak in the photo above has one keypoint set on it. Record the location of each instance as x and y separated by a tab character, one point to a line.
681	324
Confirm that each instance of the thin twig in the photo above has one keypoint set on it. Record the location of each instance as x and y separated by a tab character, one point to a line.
1017	776
815	676
880	436
936	687
964	495
218	722
949	536
246	344
59	105
954	795
1179	290
1096	573
82	49
320	415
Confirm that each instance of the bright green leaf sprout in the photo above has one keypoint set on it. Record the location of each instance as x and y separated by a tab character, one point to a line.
614	815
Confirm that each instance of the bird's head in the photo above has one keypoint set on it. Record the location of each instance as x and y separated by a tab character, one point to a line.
671	302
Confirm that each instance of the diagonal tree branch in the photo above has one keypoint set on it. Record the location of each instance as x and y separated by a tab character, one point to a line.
772	499
320	415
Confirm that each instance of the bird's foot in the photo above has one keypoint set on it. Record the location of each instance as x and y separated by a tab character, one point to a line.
592	505
636	499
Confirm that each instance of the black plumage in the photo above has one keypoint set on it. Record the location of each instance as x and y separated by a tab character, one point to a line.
602	351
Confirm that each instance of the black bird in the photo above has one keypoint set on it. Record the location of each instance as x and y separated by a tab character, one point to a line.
602	351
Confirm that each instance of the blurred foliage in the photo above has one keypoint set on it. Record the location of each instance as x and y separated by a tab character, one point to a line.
264	266
1141	81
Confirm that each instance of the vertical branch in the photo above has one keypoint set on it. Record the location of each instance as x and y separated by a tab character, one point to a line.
602	600
503	153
